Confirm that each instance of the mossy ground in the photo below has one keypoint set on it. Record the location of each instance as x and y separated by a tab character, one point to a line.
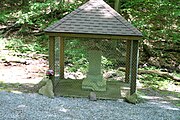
73	88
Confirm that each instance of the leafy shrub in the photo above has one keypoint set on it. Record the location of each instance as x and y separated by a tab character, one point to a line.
20	45
157	19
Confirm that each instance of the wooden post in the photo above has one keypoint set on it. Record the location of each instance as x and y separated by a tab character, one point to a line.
128	64
61	57
52	56
52	53
134	65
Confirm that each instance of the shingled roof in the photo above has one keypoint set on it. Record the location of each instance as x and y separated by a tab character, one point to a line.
94	17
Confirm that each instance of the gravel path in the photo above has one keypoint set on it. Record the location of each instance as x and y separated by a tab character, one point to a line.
36	107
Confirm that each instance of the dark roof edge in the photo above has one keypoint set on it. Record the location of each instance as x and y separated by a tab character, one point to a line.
90	35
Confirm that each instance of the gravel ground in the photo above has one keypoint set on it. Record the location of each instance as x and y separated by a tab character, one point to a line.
36	107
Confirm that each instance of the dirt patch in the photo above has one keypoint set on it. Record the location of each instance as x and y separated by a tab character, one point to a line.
31	72
21	73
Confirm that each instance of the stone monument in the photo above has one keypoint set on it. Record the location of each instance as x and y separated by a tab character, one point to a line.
94	80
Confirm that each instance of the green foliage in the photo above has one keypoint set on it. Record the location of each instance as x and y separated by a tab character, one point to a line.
76	56
155	82
36	14
41	14
76	64
157	19
106	64
4	16
149	68
21	45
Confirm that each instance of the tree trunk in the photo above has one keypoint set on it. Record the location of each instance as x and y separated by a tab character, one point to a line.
117	5
25	4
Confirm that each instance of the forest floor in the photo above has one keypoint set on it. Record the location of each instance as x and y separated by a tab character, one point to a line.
21	74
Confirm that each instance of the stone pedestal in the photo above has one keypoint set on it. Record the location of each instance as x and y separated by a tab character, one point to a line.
94	80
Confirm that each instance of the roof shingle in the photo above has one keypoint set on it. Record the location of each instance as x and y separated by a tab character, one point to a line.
94	17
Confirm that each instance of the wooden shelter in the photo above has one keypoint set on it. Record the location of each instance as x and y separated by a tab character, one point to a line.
96	19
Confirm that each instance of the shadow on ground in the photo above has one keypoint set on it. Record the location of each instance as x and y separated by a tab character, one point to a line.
147	93
24	88
161	95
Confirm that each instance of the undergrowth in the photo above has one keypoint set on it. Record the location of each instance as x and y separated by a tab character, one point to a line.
38	45
155	82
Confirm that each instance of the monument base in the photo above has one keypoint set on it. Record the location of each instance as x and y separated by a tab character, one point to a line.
94	83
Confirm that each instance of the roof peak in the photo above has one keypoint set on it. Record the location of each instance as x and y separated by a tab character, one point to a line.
94	17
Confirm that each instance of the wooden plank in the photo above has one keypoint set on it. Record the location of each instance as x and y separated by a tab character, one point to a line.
134	65
128	65
52	53
52	58
98	36
61	57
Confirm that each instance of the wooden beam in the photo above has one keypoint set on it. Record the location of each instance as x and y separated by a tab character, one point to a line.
128	65
52	53
97	36
52	57
134	65
61	57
